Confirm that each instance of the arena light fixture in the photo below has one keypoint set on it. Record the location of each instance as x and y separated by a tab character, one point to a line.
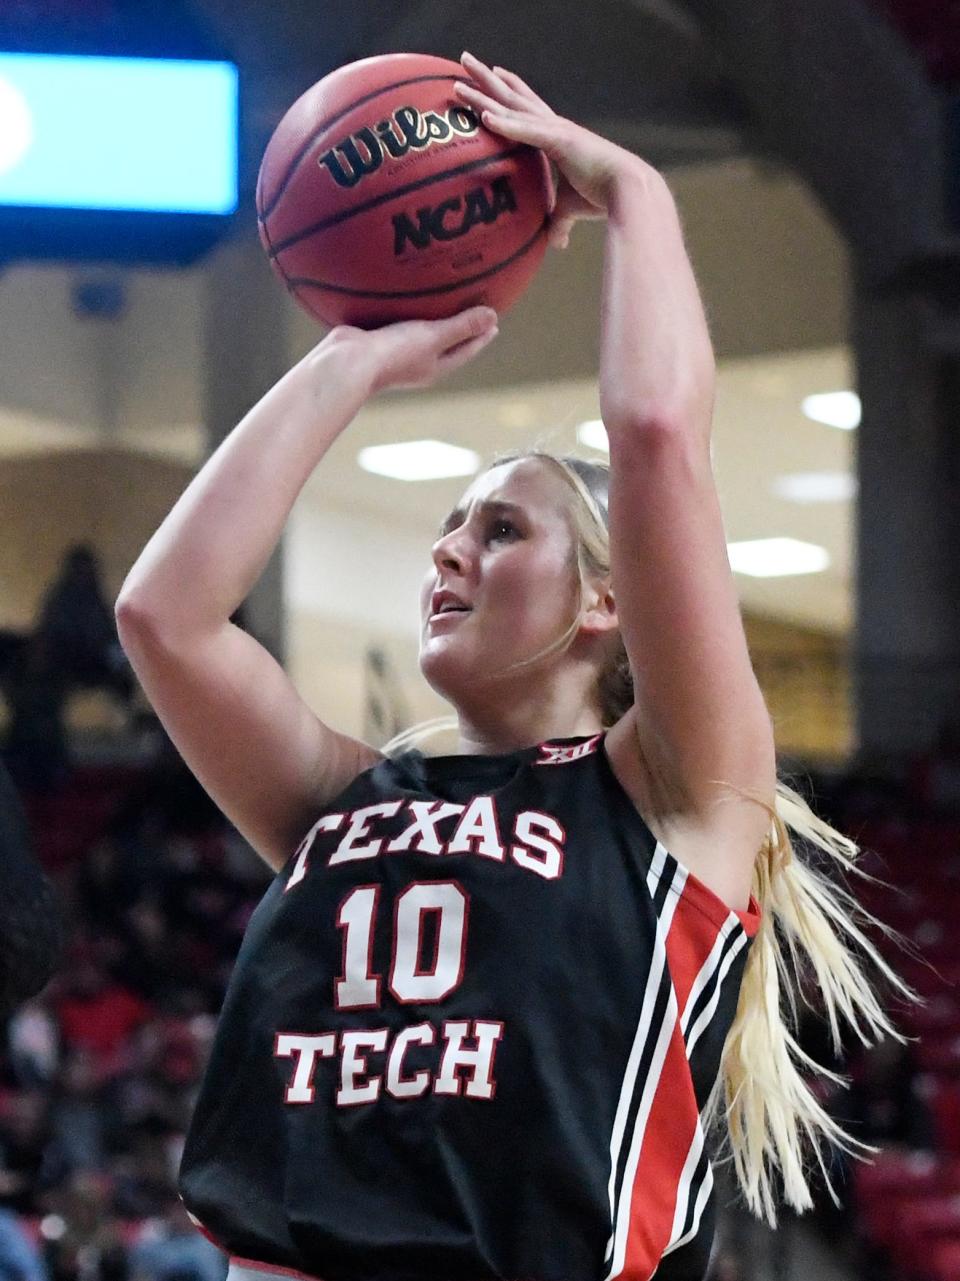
834	408
816	486
593	434
16	125
418	460
777	557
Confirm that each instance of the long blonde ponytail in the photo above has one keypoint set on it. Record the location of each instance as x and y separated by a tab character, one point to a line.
810	932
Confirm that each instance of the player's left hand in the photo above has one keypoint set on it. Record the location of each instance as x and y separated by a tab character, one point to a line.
589	165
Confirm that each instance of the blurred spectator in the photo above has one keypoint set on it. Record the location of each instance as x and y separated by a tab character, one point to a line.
35	748
96	1013
726	1265
30	1160
11	647
143	1176
33	1043
79	1111
108	883
171	1249
83	1238
31	928
933	28
157	1098
883	1105
19	1259
78	627
169	797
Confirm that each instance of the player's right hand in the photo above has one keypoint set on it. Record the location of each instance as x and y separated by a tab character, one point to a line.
415	353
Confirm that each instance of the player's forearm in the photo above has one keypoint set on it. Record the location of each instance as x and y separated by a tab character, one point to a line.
656	362
213	546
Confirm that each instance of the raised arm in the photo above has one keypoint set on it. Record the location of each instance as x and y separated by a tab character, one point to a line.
699	713
259	751
699	719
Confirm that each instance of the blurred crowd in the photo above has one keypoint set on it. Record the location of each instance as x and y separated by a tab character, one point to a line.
98	1074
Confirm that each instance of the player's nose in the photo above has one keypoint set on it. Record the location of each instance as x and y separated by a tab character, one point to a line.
451	553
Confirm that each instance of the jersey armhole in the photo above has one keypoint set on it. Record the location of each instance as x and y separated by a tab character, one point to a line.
712	906
697	893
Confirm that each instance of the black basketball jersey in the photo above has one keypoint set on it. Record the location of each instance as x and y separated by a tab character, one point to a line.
469	1034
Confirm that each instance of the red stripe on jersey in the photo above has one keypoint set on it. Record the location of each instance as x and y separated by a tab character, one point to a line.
674	1114
690	941
666	1142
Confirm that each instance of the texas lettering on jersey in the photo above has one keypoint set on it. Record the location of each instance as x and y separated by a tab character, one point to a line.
536	841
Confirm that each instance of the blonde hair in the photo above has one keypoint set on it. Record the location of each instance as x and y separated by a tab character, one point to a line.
811	929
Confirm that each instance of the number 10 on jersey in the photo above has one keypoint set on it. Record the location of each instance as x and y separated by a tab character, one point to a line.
409	981
466	1046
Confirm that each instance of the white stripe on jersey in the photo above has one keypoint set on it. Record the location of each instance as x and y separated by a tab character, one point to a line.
657	962
706	972
684	1188
706	1187
620	1211
706	1014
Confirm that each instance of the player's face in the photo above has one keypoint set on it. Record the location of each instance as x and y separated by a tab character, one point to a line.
506	552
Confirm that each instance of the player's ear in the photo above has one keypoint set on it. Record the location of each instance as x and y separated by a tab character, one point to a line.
600	609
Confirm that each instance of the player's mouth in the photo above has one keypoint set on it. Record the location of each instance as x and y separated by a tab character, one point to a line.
447	619
447	607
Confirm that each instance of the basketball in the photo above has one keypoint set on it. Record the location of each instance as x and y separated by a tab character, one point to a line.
381	197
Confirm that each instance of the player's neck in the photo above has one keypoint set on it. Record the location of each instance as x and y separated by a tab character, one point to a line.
486	739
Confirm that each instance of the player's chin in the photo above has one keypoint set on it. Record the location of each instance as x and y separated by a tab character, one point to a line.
439	657
447	664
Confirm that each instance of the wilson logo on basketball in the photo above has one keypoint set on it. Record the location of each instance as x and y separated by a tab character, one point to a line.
454	218
362	153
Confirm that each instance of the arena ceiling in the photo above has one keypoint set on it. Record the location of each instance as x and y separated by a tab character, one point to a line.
637	70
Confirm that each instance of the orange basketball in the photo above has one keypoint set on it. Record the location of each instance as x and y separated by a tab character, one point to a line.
382	197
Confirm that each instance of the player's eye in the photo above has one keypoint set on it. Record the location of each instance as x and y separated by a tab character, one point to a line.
501	529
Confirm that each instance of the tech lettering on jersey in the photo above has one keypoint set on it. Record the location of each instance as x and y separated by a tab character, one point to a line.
536	841
463	1069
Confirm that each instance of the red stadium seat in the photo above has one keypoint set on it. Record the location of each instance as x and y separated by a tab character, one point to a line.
920	1225
939	1054
894	1179
940	1016
943	1263
943	1098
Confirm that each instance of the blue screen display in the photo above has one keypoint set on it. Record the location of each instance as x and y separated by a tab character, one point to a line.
118	133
